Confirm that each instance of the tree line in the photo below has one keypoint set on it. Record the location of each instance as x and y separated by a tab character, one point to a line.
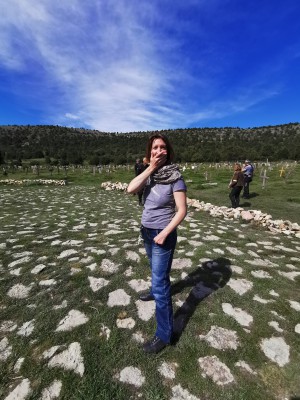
62	145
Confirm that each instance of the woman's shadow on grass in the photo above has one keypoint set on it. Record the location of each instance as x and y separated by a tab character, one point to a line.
211	276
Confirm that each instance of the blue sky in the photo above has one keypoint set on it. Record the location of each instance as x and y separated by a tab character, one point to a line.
140	65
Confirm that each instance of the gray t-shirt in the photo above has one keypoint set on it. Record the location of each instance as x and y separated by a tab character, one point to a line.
160	207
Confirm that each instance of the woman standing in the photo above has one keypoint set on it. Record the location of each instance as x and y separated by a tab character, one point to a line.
236	184
164	209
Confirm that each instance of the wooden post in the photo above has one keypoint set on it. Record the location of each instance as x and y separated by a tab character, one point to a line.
264	178
282	172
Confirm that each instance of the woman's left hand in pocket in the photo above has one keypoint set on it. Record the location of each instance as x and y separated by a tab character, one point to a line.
160	238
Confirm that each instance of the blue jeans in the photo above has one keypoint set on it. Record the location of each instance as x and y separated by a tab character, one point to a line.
160	258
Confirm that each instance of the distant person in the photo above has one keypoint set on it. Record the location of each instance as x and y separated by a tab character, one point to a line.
164	209
248	175
236	185
142	168
137	167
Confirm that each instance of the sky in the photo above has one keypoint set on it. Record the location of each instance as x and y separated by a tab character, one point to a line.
141	65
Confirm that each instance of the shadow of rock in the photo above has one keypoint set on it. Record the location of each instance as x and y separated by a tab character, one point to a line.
205	280
245	204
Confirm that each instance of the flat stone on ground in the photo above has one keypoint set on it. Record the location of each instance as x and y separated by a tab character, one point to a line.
97	283
181	263
178	393
240	286
21	392
73	319
70	359
118	298
146	309
139	285
52	391
5	349
109	266
241	316
221	338
125	323
216	370
168	370
132	376
276	350
19	291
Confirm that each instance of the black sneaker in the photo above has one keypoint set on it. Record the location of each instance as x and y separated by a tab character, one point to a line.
146	296
155	345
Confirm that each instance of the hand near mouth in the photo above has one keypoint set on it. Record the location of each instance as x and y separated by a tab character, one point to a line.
159	159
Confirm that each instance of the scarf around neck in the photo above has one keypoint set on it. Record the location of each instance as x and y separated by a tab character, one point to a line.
167	174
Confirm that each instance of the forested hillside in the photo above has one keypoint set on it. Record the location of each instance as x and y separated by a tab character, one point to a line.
74	146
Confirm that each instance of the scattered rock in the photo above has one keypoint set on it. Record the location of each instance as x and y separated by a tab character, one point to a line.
146	309
118	298
38	268
181	263
216	370
126	323
221	338
72	320
289	275
139	285
5	349
26	329
70	359
52	391
21	391
109	266
67	253
178	393
295	305
242	317
245	366
275	325
132	255
261	274
168	370
240	286
19	291
276	350
261	300
8	326
97	283
132	376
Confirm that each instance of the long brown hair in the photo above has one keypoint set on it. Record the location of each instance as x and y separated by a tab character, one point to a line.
170	151
237	167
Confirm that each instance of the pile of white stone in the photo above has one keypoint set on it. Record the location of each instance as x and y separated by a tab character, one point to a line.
253	216
33	182
114	186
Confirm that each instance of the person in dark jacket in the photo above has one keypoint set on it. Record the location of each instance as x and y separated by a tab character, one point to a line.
139	169
236	185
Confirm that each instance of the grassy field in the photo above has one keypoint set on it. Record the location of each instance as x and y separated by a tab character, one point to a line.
280	196
71	269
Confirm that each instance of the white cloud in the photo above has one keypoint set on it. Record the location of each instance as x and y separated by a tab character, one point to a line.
109	65
72	116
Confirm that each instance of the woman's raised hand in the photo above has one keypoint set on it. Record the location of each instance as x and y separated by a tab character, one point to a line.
158	160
